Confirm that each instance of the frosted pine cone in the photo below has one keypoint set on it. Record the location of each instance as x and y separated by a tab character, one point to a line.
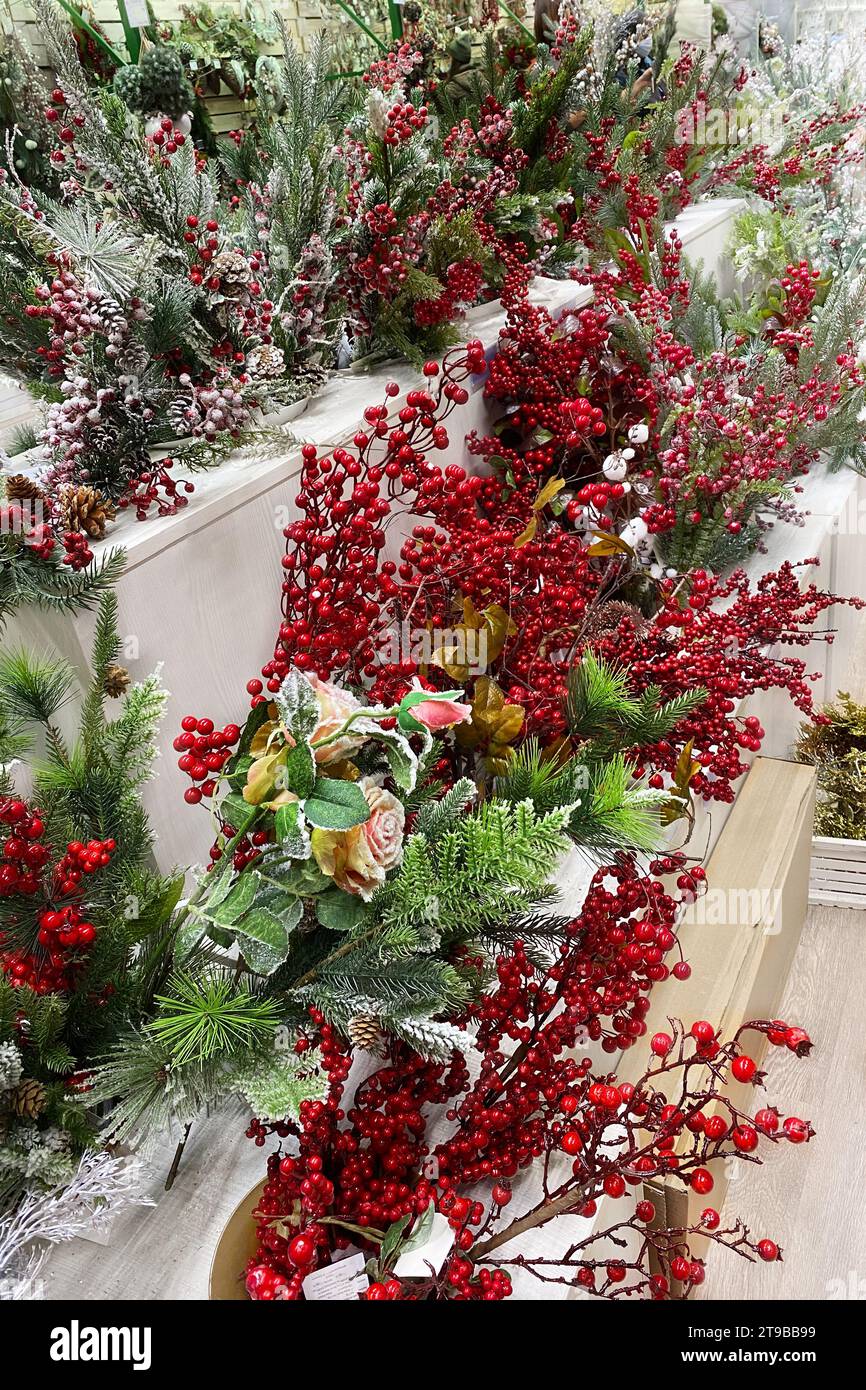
234	273
365	1032
83	508
10	1066
267	361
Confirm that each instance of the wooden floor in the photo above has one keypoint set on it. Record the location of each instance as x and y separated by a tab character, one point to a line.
164	1251
809	1199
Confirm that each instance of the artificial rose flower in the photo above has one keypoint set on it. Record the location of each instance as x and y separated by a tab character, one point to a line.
358	859
335	706
432	711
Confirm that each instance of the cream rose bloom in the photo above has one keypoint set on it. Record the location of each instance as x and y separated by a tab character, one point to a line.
335	706
358	859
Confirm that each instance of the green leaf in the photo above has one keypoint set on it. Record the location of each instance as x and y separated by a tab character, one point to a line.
298	773
219	882
234	810
336	805
421	1233
236	902
391	1241
264	938
188	937
340	911
396	747
292	831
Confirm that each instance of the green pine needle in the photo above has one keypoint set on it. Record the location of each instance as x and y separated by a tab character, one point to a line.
33	689
203	1017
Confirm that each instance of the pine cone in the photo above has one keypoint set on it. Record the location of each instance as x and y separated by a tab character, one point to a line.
22	489
365	1032
83	508
233	270
266	360
116	681
606	618
28	1100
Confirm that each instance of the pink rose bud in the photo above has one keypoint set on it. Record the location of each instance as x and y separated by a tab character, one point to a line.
441	714
429	709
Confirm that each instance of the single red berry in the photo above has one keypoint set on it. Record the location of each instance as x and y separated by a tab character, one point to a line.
702	1181
302	1251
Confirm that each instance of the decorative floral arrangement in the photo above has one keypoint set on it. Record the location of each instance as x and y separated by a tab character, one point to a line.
835	743
170	297
534	1136
143	293
81	914
496	588
350	880
535	646
660	420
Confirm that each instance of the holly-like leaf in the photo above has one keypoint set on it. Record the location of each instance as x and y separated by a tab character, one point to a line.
297	706
298	774
391	1242
528	533
479	641
255	719
263	938
421	1231
236	903
397	749
339	911
291	831
547	493
336	805
233	809
686	769
188	936
606	543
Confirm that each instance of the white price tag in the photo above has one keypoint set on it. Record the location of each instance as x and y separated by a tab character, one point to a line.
344	1280
136	13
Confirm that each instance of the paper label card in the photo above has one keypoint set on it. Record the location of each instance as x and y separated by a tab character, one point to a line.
136	13
415	1263
345	1280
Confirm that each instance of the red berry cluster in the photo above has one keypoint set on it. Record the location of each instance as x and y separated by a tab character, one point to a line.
204	751
167	137
403	121
23	856
367	1161
62	934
